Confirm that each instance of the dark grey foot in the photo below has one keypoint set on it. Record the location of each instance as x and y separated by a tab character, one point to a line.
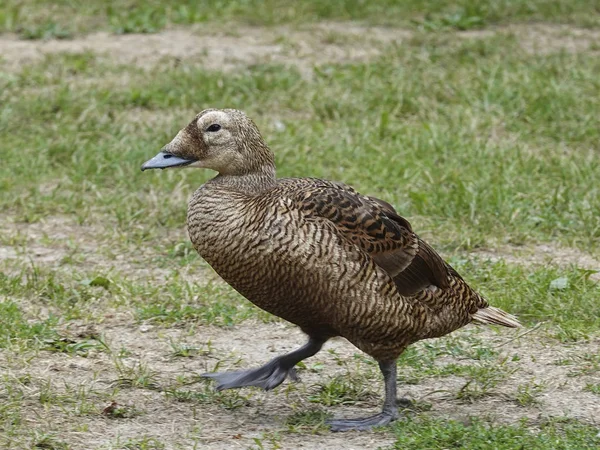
390	408
378	420
266	377
271	374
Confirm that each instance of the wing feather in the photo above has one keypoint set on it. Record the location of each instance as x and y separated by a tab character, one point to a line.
374	226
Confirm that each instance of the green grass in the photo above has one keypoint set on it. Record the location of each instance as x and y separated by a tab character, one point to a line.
42	19
143	443
206	395
478	142
527	292
531	295
432	434
21	332
343	390
528	394
422	118
66	299
311	420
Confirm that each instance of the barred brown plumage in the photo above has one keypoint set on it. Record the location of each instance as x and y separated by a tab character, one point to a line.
316	253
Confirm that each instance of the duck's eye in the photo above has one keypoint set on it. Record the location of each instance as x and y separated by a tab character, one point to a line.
214	127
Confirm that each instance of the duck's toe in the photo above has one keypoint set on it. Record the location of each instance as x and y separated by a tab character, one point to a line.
266	377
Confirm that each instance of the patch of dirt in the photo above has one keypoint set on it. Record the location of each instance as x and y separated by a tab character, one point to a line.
544	38
223	49
28	239
219	50
543	254
59	243
80	388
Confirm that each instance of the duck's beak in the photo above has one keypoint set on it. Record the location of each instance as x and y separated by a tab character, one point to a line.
165	159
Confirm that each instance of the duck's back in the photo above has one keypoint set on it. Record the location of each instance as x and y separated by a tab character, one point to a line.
421	277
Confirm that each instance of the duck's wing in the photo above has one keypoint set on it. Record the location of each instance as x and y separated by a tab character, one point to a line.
374	226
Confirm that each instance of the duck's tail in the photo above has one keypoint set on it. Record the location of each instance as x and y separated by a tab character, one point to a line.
495	316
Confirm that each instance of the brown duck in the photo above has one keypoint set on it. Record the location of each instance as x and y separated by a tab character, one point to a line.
315	253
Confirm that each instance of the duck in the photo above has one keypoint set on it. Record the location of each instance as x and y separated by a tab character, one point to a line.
318	254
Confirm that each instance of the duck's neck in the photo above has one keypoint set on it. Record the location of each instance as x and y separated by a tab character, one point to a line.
253	182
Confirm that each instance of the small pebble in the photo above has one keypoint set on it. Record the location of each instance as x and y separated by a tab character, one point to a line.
279	126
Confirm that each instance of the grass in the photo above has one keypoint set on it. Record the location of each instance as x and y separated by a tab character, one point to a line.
427	138
441	434
343	390
35	19
18	330
528	393
108	315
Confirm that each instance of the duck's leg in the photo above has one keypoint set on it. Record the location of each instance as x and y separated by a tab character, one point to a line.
271	374
387	415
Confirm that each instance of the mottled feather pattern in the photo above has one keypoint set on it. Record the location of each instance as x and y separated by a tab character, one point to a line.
297	254
318	254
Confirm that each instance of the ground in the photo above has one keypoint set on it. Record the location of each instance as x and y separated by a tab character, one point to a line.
481	128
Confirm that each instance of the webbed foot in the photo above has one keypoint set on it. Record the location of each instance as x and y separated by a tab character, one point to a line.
266	377
271	374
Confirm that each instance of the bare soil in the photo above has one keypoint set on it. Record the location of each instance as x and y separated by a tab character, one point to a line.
218	50
60	241
265	414
543	254
545	38
560	370
303	47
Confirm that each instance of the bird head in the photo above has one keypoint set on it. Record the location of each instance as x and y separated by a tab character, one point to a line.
224	140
